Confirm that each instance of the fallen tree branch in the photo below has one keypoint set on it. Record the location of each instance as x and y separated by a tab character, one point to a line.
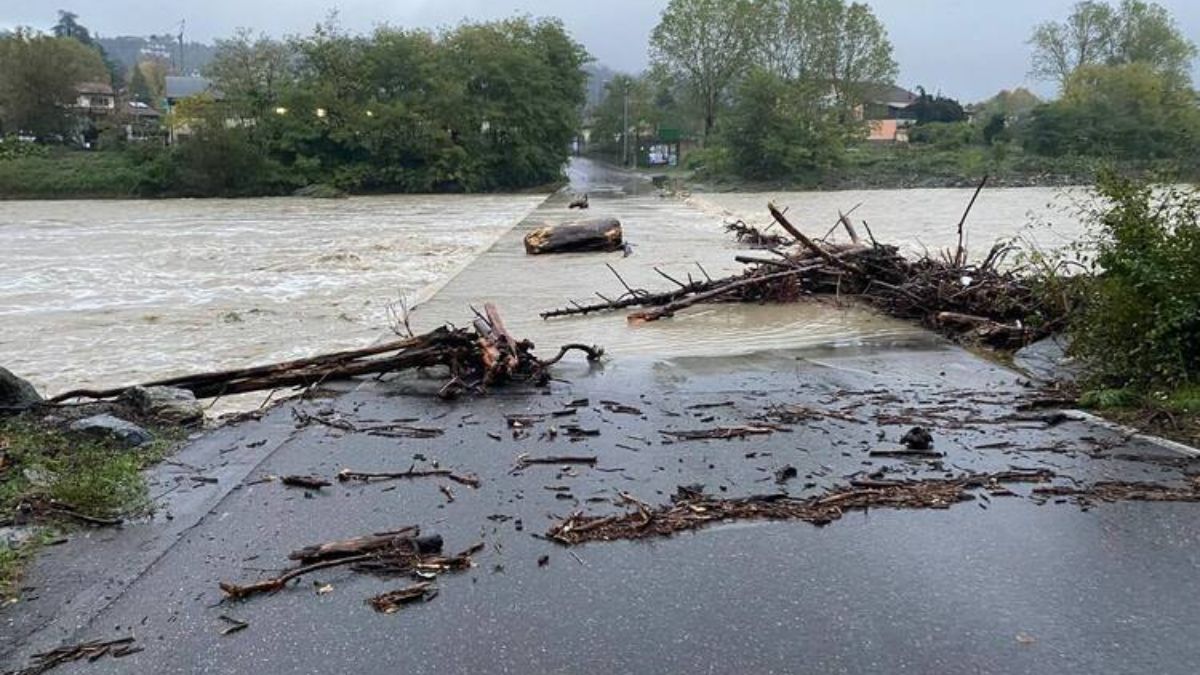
476	359
347	475
692	509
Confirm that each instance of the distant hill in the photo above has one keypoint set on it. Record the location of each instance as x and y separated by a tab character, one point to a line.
130	49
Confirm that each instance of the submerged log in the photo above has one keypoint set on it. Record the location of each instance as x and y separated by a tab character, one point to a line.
600	234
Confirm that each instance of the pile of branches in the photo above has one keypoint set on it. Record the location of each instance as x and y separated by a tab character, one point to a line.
477	358
692	509
981	301
755	238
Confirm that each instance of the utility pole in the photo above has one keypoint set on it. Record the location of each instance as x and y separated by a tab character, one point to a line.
182	23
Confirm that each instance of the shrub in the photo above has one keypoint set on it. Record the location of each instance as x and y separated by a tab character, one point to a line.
1139	323
13	148
943	135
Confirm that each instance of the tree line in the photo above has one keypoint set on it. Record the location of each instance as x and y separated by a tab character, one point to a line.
483	106
779	88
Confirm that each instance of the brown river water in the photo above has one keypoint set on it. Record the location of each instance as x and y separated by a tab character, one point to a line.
106	293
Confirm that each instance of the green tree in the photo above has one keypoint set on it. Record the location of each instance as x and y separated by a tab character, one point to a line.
936	108
139	87
1011	104
783	129
995	128
1124	112
843	45
1097	33
524	88
706	44
38	76
68	26
859	53
249	70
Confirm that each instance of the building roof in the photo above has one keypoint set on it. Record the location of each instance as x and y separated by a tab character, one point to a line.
889	94
93	88
180	86
139	109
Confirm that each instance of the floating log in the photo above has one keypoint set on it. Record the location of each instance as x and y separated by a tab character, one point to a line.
600	234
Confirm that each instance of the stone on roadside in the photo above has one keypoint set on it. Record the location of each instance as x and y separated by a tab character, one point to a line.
16	393
168	404
107	426
12	536
1047	361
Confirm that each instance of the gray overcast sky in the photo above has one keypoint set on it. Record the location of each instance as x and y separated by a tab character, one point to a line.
968	49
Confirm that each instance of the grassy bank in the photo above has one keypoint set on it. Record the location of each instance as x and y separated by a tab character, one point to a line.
159	173
74	175
53	479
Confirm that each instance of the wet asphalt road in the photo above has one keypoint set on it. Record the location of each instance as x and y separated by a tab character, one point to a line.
1016	587
1006	585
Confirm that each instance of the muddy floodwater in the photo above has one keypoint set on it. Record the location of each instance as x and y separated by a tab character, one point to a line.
922	220
105	293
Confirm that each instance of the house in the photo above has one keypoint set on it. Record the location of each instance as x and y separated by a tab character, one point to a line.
885	108
180	88
141	122
95	98
94	101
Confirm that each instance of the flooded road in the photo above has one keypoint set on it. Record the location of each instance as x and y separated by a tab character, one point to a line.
106	293
921	220
685	237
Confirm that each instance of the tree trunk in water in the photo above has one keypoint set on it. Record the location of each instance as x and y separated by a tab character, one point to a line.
602	234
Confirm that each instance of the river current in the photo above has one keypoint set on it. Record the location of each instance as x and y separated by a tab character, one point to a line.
106	293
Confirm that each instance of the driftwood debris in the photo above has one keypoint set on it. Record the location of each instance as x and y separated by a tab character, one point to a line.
754	237
346	475
391	602
306	482
476	358
332	550
401	552
722	433
984	301
598	234
525	460
692	509
92	651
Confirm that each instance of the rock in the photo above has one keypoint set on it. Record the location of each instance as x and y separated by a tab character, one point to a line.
14	536
16	392
173	406
1047	361
113	427
917	438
